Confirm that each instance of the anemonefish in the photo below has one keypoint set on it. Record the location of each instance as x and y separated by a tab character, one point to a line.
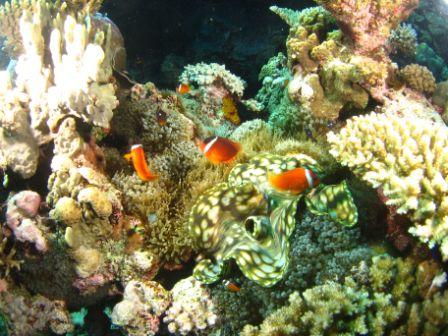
231	286
295	181
137	156
161	117
183	88
230	110
219	150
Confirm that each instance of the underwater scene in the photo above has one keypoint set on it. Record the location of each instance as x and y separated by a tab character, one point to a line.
224	167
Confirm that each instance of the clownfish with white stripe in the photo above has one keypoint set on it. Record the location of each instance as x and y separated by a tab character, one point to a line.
219	150
137	156
294	181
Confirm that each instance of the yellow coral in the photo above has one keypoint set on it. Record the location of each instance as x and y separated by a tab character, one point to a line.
419	78
299	46
408	158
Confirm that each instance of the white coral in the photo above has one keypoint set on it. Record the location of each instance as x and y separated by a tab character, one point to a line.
76	82
192	310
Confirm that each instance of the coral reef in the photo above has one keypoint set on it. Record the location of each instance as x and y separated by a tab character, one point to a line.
368	24
418	78
404	156
212	89
403	41
32	113
329	75
321	250
31	315
210	77
142	305
191	311
346	155
387	297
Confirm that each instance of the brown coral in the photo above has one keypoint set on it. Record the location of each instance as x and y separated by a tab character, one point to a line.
419	78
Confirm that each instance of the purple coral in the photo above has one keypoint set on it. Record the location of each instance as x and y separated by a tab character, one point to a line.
22	218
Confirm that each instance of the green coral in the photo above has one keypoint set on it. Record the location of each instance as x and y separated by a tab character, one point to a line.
378	300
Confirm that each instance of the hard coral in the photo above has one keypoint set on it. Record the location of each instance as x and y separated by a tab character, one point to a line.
37	99
378	299
403	41
205	76
30	315
142	305
419	78
405	157
368	23
191	311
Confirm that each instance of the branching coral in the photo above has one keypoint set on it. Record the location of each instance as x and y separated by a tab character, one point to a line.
381	299
406	158
328	76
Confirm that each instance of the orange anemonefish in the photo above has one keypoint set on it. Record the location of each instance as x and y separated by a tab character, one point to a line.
219	150
183	88
137	156
295	181
161	117
231	286
230	110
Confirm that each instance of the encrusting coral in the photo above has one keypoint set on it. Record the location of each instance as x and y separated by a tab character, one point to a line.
31	315
387	297
406	158
369	23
